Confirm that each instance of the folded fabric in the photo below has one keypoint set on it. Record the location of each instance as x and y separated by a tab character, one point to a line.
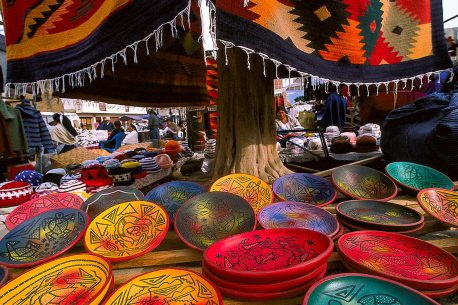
14	193
150	165
72	186
30	176
121	176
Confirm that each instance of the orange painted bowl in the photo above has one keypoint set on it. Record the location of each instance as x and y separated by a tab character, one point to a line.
298	215
46	203
379	215
357	289
307	188
263	255
127	230
254	190
354	227
361	182
440	204
171	286
72	280
212	216
408	260
4	275
42	238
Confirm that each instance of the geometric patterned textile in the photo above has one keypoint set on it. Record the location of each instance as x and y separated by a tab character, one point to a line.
352	41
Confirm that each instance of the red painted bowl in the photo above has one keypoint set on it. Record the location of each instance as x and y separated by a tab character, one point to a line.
405	259
361	182
302	187
340	233
42	204
4	274
298	215
263	255
440	204
436	294
358	228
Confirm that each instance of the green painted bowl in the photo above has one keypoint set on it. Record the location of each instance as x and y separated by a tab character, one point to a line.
357	289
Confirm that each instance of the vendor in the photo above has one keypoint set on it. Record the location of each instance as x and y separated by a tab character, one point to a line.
62	133
171	130
106	125
132	136
285	121
117	129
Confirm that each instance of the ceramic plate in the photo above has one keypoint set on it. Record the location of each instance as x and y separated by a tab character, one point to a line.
36	206
4	274
127	230
401	258
71	280
42	238
440	204
260	256
361	182
363	289
354	227
304	188
209	217
252	189
167	286
298	215
172	195
416	177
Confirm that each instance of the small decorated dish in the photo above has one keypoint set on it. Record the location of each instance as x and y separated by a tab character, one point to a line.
440	204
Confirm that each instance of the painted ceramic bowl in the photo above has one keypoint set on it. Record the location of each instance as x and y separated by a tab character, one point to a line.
36	206
251	188
304	188
379	214
166	286
4	274
266	255
110	197
127	230
361	182
357	289
440	204
42	238
298	215
72	280
408	260
172	195
435	294
415	177
354	227
209	217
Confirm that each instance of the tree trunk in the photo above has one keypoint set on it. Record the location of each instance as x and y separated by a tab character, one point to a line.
246	123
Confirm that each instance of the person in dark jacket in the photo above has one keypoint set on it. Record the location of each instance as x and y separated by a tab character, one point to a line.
106	125
153	125
117	129
334	111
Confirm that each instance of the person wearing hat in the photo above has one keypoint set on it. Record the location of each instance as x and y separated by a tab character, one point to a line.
106	125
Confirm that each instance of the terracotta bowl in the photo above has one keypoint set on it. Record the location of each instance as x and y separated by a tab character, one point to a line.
408	260
354	227
36	206
257	192
42	238
266	255
110	197
304	188
298	215
379	214
361	182
357	289
4	274
440	204
127	230
415	177
209	217
436	294
166	286
340	233
172	195
72	280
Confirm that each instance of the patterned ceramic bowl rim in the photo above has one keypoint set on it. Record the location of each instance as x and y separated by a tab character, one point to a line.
420	202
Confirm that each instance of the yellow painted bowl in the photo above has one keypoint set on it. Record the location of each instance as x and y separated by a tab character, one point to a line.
72	280
257	192
167	286
127	230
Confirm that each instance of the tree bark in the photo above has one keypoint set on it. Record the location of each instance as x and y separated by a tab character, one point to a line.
246	123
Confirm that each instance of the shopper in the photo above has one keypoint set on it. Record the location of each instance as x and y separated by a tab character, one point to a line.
106	125
62	133
153	125
132	137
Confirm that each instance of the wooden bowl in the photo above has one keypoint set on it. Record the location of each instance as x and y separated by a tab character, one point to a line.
172	195
72	280
408	260
257	192
298	215
42	238
209	217
32	208
166	286
105	199
4	275
361	182
354	227
379	215
304	188
357	289
440	204
415	177
264	255
127	230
